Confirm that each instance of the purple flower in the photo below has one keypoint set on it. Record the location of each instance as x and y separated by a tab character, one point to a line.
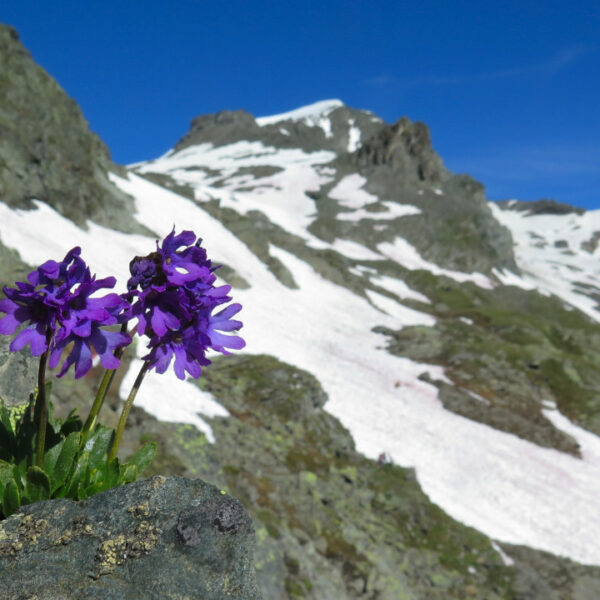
57	309
175	305
83	326
146	271
104	342
188	348
187	265
158	310
222	321
40	302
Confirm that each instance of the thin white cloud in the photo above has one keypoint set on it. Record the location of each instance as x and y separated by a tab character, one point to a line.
382	79
555	63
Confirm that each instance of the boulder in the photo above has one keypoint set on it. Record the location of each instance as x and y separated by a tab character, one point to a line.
163	538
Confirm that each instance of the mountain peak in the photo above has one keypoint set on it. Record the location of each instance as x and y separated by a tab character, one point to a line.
311	114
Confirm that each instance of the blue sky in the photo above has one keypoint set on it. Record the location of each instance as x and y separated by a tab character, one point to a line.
510	92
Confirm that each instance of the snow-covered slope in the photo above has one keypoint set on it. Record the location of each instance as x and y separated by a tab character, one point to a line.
557	253
511	489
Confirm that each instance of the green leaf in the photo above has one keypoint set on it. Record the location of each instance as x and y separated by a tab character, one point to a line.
66	458
97	475
38	484
112	471
100	445
95	488
129	474
143	457
50	458
6	475
20	471
77	477
11	499
7	433
5	419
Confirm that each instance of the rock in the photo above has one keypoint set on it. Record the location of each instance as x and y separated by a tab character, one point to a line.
541	207
47	151
404	146
18	374
219	129
164	537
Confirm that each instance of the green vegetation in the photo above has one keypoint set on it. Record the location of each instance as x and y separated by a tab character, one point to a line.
73	466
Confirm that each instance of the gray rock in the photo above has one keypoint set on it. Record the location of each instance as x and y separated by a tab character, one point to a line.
157	538
404	146
47	151
541	207
18	374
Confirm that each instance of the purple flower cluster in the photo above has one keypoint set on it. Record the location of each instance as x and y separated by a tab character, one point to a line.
173	297
58	311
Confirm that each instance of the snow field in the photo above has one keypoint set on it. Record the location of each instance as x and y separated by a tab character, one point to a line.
548	265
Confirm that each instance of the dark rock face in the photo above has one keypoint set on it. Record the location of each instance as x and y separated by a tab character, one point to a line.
404	146
157	538
221	128
47	151
541	207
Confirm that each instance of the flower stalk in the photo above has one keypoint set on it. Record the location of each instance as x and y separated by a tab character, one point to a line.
126	409
105	384
41	406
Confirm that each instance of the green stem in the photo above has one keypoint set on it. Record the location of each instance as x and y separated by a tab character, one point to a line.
105	384
126	409
98	401
41	406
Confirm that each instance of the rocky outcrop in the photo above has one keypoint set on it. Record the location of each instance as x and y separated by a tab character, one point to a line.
219	129
541	207
47	151
406	147
167	538
18	374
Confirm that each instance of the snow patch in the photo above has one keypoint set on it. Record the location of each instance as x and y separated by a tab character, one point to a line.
406	255
400	288
353	137
353	250
282	197
546	264
156	396
349	193
310	111
507	560
398	311
313	115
